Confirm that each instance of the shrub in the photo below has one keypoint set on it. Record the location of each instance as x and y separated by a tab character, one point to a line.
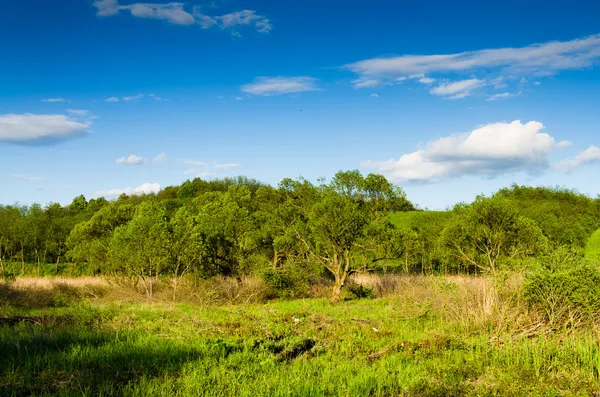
285	282
565	287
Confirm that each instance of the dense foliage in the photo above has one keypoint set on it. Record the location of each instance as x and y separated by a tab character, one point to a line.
291	233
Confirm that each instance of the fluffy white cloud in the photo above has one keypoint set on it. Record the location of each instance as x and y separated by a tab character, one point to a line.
39	128
161	158
78	112
175	13
374	95
492	149
28	178
54	100
133	98
131	159
589	156
542	58
268	86
146	188
457	89
112	99
239	98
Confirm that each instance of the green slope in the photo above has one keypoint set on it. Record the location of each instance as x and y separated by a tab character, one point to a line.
592	249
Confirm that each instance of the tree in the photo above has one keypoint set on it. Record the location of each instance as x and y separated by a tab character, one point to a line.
227	231
187	246
141	247
346	229
89	241
491	231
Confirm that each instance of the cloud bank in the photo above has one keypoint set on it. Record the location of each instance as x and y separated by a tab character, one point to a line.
489	150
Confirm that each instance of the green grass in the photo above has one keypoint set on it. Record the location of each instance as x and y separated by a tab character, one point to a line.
406	219
592	249
383	347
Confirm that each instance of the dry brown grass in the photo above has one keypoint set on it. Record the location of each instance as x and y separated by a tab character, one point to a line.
493	303
49	283
476	303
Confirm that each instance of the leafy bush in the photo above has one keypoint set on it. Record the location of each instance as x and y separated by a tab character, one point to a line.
285	282
565	287
361	291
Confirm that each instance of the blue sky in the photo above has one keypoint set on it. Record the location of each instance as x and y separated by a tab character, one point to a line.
447	99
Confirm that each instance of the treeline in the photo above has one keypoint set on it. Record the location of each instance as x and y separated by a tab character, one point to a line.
293	232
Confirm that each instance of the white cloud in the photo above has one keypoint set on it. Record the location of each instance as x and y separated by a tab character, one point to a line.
366	83
589	156
536	83
498	82
457	89
564	144
374	95
39	128
171	12
131	159
426	80
245	17
112	99
490	150
146	188
107	7
268	86
133	98
155	97
226	166
175	13
28	178
544	58
161	158
239	98
54	100
78	112
504	95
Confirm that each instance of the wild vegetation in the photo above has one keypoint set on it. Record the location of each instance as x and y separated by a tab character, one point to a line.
341	288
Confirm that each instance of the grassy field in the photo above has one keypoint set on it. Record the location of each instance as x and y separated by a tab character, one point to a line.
592	250
425	337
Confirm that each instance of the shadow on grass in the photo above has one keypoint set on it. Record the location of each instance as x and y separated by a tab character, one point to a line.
40	359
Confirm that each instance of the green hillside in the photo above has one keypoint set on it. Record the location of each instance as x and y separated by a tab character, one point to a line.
592	249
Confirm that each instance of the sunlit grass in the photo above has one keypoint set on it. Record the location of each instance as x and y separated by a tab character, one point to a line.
431	337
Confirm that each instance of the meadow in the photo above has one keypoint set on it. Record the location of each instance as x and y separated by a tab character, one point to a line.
236	288
413	336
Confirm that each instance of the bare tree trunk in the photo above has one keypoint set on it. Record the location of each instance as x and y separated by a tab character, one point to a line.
57	262
22	261
275	259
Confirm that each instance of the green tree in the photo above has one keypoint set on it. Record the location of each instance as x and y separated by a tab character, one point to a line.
490	232
141	248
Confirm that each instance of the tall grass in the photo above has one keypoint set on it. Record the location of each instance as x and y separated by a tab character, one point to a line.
419	336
